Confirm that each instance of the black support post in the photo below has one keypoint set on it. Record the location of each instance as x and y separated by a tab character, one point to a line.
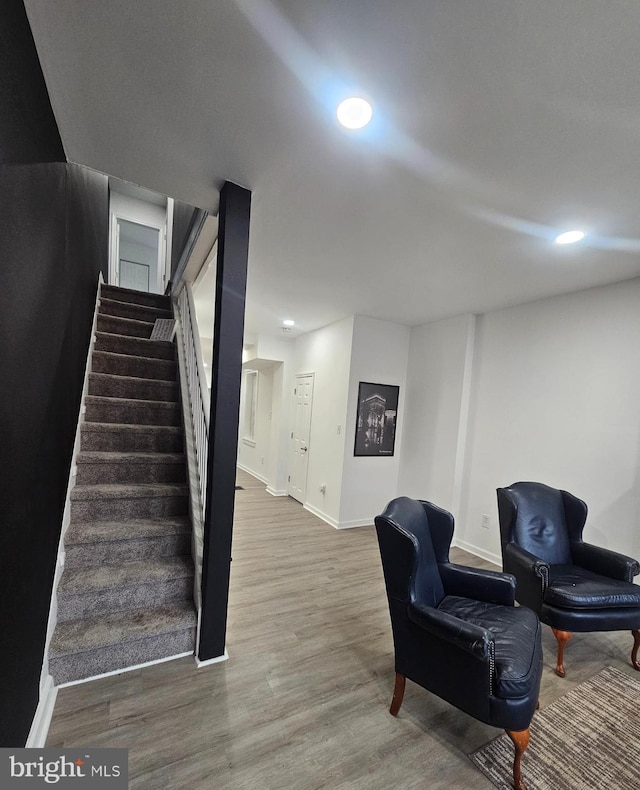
231	281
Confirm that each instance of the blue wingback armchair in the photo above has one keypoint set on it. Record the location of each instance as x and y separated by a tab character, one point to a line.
572	586
456	630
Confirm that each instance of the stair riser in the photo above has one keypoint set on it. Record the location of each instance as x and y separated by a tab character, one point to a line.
130	310
102	602
134	413
137	367
142	389
77	666
134	346
126	441
115	551
122	509
136	297
99	473
120	326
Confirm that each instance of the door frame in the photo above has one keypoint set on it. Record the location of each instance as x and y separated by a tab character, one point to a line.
293	418
138	217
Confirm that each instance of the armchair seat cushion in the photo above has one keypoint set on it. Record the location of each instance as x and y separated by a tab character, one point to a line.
516	633
573	587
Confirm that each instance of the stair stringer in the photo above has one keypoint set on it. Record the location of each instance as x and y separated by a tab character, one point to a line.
48	691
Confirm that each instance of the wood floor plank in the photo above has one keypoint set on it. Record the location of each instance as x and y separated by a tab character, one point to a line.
303	700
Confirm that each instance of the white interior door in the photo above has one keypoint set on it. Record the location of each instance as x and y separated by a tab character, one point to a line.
302	401
139	256
138	244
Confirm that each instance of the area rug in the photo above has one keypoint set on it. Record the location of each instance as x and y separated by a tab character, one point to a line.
589	739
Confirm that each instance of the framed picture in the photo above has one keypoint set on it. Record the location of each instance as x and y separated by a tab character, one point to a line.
376	419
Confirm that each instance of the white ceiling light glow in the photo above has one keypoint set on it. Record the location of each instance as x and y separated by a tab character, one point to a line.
288	322
570	237
354	113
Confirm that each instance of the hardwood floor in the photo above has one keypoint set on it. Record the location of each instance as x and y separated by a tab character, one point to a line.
303	700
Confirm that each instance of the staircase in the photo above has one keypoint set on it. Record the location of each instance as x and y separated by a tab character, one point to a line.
126	594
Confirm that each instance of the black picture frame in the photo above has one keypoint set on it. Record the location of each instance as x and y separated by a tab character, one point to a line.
376	419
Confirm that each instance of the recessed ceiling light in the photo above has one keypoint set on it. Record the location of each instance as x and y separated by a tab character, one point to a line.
288	322
570	237
354	113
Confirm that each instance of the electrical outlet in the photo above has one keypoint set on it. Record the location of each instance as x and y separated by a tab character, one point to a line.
339	429
485	521
323	488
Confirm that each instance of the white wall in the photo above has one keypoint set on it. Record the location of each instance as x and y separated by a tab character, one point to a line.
432	460
255	458
379	354
556	399
326	353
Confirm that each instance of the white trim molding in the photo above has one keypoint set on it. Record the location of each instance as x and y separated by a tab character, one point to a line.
44	712
276	491
331	521
356	522
252	473
126	669
209	661
485	555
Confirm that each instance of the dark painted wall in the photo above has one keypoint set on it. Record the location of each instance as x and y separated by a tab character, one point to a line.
53	243
28	129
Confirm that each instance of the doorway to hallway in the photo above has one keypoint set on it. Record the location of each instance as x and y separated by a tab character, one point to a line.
299	456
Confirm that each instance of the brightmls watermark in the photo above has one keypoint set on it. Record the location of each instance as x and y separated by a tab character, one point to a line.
75	769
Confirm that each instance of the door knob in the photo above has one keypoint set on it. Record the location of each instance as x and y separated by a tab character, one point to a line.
303	449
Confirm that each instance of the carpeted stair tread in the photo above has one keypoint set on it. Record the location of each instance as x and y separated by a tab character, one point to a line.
132	410
131	310
123	437
123	491
115	427
78	636
134	346
137	297
94	467
97	456
96	578
98	531
124	326
112	385
133	366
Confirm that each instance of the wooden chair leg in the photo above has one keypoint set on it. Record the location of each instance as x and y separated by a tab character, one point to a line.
398	694
563	637
634	652
520	741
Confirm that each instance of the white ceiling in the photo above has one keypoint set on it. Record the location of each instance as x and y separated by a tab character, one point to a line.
497	124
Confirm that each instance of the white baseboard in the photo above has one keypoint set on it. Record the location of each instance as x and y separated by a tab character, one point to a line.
277	492
485	555
126	669
331	521
42	719
252	473
209	661
356	522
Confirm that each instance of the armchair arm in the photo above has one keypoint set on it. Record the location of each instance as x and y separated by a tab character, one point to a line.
483	585
469	637
532	575
604	561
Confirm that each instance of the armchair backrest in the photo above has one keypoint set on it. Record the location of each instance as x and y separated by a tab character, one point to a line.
408	556
532	515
